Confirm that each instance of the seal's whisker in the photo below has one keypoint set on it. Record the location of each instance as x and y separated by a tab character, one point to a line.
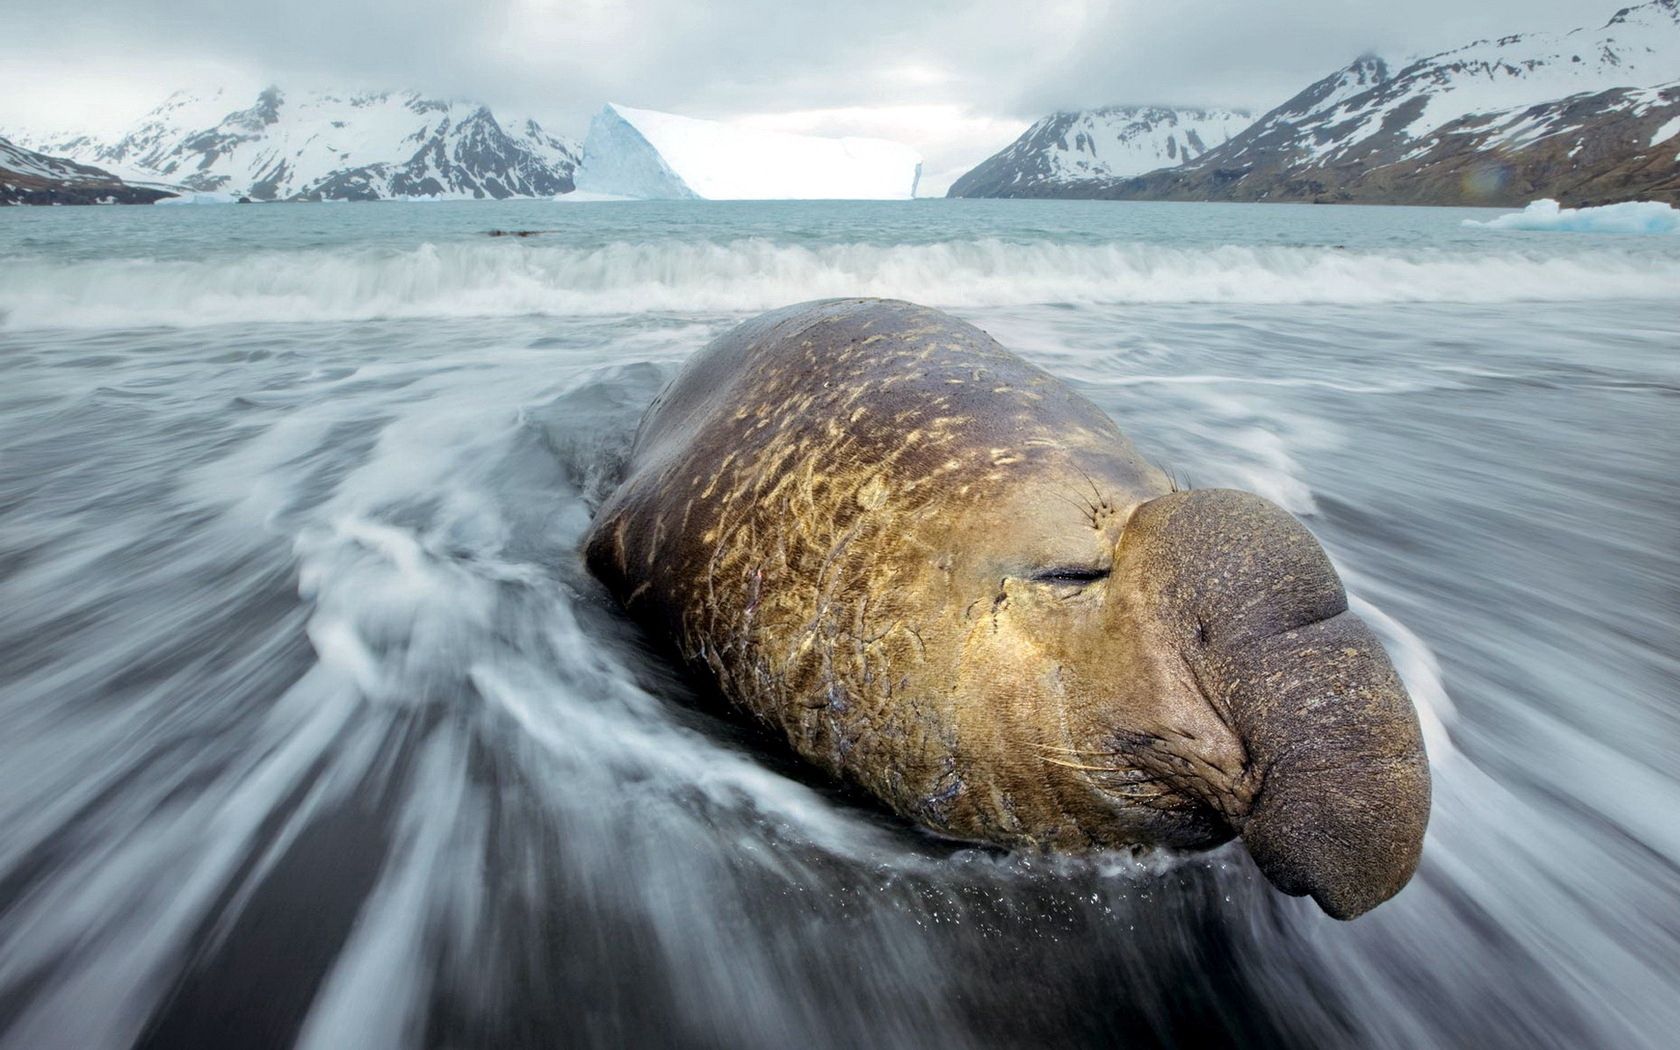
1075	750
1101	503
1080	765
1085	510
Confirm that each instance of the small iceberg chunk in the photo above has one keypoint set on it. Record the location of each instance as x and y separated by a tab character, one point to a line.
1631	217
199	197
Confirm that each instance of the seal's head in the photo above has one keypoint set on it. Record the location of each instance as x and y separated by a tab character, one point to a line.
1186	669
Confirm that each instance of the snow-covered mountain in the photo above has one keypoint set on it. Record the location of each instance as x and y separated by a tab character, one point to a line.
329	146
1577	115
1364	107
1066	149
645	154
28	177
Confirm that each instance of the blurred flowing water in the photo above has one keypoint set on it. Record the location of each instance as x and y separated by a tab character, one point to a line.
313	731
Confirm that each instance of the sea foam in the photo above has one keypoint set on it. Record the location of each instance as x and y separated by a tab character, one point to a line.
472	279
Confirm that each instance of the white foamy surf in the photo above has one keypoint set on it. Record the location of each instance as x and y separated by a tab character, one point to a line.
491	279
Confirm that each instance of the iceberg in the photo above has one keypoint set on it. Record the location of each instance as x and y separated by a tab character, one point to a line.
647	155
1628	217
199	197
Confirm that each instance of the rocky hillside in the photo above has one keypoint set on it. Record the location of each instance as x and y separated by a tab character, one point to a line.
1065	150
1593	148
27	177
326	146
1587	117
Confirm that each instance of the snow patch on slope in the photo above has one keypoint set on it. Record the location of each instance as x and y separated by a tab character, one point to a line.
1121	141
642	153
16	159
1639	46
1085	146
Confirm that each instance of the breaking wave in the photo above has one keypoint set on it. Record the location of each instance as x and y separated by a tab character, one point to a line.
472	279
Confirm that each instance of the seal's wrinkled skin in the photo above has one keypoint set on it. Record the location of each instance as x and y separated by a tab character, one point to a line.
950	579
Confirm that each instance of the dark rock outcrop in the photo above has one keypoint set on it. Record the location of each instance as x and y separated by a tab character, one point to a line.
27	177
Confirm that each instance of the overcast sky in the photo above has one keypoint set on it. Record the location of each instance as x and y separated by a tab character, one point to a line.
955	80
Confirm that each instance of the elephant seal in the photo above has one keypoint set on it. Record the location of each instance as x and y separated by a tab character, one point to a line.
951	580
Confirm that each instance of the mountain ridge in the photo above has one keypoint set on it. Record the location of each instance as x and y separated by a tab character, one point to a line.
30	177
1573	115
332	146
1105	142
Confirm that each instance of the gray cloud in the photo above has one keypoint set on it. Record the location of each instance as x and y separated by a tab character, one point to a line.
997	64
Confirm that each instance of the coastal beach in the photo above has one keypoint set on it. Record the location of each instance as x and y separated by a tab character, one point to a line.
310	713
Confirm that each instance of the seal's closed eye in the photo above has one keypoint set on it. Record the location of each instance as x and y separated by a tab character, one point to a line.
1070	575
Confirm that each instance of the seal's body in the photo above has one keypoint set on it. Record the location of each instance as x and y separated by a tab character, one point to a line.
950	579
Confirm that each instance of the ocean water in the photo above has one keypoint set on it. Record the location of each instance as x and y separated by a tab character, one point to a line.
313	730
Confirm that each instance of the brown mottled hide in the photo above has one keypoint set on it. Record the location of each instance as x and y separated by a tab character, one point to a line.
950	579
